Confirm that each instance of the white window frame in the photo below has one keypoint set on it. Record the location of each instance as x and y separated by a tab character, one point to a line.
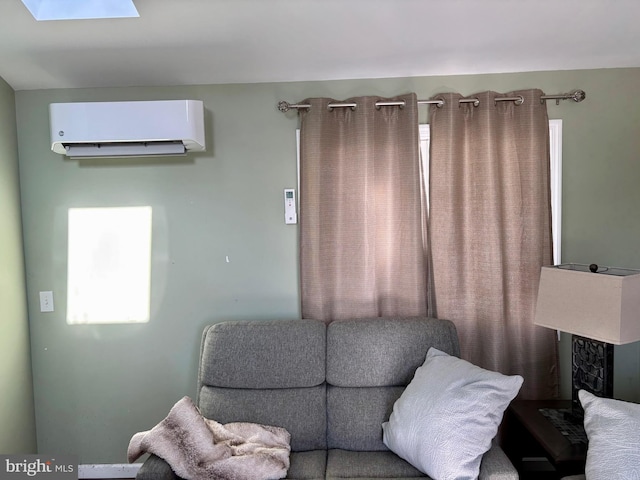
555	164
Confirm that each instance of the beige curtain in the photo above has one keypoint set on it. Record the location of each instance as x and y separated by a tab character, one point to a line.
361	210
490	231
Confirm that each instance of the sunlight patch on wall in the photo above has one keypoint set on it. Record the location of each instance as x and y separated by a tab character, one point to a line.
109	265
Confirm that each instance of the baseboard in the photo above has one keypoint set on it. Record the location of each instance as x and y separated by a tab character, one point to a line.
108	470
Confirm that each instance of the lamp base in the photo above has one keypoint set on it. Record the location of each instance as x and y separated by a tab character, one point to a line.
592	362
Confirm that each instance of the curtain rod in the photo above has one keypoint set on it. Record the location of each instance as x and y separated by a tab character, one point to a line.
576	96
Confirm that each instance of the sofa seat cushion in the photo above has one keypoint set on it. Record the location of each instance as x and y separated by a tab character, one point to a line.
343	464
309	465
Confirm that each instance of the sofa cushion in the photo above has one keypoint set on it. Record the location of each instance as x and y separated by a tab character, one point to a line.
355	416
496	465
263	354
369	362
375	352
613	430
446	418
302	411
343	464
307	465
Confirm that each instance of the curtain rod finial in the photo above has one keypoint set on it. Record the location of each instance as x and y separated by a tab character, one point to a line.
284	106
578	95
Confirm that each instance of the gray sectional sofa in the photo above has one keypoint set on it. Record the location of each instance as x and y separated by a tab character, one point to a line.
331	386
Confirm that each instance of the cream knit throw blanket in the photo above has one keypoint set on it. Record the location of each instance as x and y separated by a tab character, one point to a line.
201	449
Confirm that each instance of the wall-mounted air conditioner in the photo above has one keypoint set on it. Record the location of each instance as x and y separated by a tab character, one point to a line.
127	129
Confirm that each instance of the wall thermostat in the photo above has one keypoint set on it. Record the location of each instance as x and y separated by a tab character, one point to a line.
290	215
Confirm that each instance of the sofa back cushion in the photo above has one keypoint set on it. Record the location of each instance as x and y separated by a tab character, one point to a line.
267	372
369	363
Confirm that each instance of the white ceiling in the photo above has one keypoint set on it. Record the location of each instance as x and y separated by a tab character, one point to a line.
184	42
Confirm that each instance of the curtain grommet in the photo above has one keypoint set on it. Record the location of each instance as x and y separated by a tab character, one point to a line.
474	101
352	106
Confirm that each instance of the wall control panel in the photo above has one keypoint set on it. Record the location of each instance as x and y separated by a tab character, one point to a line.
290	213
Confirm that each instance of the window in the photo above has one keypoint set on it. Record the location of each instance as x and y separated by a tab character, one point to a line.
109	265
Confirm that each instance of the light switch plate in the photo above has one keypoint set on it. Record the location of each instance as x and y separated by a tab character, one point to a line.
46	301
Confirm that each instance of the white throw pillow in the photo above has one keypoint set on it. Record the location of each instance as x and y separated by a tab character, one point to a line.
445	420
613	430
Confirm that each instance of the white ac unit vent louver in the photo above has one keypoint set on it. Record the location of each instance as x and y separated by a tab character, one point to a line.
127	129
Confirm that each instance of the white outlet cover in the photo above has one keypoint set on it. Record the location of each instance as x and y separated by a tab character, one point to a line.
46	301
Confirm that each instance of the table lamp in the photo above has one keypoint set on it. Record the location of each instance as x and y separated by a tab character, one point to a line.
600	307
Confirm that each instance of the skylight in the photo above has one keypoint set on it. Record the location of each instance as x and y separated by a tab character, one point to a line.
80	9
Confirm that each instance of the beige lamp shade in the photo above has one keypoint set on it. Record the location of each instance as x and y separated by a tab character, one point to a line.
602	306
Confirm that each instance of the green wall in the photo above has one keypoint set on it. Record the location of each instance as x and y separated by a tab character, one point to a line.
17	421
97	385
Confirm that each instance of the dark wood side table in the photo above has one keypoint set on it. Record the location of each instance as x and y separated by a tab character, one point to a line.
528	433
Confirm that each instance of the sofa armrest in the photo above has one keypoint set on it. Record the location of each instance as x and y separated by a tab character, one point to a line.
497	466
155	468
